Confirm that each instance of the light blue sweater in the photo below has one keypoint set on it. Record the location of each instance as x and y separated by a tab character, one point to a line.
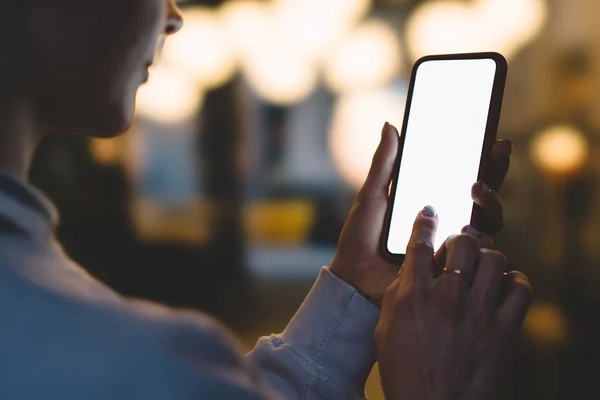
66	336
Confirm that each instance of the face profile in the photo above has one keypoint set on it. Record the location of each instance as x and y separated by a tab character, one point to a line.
86	60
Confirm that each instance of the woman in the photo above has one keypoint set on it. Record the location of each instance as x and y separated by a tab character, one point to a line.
74	66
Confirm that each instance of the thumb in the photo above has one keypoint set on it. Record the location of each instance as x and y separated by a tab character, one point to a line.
419	261
377	184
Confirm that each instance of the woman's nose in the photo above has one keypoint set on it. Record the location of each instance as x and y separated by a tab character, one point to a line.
174	19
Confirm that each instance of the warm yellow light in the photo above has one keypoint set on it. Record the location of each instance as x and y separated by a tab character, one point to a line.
559	150
546	324
369	57
519	21
351	10
505	26
201	49
315	26
281	222
107	151
246	24
280	73
440	27
168	98
356	129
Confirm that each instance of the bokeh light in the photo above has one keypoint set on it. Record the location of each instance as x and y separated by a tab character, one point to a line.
519	21
315	26
246	24
356	128
559	150
168	97
369	57
280	73
546	324
201	49
440	27
505	26
107	151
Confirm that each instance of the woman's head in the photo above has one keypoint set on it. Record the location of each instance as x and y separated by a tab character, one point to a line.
79	63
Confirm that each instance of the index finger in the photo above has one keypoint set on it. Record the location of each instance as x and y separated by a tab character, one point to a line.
419	264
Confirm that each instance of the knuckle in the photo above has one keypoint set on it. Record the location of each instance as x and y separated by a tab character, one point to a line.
492	258
381	160
463	242
419	247
371	194
407	300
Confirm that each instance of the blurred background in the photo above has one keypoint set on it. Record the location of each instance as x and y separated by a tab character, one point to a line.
259	124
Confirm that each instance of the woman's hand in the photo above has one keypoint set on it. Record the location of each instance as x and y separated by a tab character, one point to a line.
449	321
359	259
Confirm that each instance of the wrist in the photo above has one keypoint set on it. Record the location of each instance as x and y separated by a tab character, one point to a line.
352	280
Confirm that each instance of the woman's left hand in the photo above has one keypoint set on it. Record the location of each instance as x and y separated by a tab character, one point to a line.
359	259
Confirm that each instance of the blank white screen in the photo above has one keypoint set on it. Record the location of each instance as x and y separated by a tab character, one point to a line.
442	148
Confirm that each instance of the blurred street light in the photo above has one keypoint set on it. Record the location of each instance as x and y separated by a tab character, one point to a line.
279	73
505	26
168	97
546	324
316	26
440	27
201	49
246	24
559	150
368	57
356	129
520	21
107	151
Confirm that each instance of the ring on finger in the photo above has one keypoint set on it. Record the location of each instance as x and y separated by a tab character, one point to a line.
460	273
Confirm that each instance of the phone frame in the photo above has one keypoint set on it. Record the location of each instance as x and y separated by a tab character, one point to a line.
488	142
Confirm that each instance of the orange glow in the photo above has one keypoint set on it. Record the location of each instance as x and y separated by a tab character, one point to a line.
546	324
560	150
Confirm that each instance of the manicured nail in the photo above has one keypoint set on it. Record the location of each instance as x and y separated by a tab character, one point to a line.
472	231
429	211
384	128
485	189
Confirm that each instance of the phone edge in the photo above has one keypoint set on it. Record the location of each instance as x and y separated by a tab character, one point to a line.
489	137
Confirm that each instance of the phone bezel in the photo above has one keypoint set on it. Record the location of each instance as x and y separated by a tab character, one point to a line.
488	142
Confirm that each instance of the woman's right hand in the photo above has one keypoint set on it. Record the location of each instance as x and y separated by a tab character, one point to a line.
444	334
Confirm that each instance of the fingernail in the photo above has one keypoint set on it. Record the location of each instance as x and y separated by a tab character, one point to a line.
485	188
472	231
384	128
429	211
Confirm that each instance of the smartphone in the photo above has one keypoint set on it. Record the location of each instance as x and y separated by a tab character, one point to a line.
449	130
